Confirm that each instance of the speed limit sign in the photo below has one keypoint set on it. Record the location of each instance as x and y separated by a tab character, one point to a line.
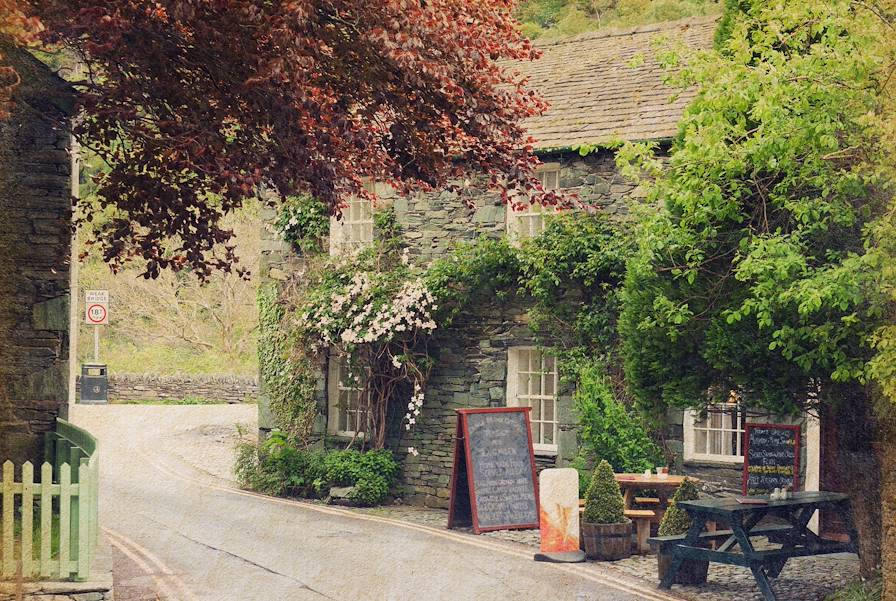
97	307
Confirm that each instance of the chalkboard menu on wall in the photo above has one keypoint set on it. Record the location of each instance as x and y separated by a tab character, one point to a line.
771	458
493	480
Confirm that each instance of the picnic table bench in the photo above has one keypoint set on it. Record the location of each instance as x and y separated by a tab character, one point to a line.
794	536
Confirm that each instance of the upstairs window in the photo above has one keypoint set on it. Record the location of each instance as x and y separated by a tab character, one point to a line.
532	382
530	221
355	229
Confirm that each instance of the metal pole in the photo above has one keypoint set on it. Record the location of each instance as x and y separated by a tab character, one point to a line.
96	344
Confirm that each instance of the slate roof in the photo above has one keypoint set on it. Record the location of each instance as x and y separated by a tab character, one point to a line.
607	85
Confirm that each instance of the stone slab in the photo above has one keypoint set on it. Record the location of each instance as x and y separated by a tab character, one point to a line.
559	510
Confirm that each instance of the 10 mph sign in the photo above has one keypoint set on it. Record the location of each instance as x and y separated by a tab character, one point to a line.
97	307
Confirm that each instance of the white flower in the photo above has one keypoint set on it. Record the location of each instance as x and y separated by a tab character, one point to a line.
407	426
413	451
396	362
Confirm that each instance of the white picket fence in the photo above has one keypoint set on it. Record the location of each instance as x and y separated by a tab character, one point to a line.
63	505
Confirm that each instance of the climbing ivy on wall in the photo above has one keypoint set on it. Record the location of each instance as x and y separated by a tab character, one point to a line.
303	221
287	373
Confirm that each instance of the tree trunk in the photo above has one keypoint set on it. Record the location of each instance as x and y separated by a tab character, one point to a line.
888	516
886	415
859	470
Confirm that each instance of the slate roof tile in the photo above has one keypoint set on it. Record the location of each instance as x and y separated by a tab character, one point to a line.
608	85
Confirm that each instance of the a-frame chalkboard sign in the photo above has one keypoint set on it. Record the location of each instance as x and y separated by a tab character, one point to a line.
771	458
493	483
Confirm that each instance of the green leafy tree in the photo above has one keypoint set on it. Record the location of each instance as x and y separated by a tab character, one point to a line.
608	429
603	500
754	276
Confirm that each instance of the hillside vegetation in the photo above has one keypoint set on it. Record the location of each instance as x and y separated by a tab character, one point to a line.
561	18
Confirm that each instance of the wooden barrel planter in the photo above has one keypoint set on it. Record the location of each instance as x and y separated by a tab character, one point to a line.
692	572
607	542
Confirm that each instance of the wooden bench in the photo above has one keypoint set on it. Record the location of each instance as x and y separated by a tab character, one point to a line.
647	500
770	531
642	519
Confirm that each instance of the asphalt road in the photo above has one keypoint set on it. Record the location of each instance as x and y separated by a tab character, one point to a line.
190	535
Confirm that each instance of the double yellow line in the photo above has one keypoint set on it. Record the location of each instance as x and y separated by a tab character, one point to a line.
168	584
583	571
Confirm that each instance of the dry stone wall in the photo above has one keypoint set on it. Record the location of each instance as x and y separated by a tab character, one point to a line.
149	387
35	210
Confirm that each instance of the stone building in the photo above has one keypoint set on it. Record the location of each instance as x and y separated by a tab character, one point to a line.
35	234
602	87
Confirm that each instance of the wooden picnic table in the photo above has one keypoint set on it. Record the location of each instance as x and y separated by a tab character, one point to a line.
795	538
664	486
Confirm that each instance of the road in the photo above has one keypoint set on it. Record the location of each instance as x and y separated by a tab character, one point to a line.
168	505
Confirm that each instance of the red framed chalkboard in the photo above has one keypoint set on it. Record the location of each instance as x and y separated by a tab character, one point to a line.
493	480
772	446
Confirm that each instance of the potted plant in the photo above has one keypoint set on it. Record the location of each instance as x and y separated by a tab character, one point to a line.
606	532
677	522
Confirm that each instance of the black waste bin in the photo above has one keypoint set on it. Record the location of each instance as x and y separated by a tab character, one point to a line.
94	384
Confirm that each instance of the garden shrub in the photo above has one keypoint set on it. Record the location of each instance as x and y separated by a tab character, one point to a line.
278	467
370	473
603	500
676	521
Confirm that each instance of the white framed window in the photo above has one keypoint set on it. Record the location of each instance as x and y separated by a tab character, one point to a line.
530	221
347	415
532	382
716	436
355	229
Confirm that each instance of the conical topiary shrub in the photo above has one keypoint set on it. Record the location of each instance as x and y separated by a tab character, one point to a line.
606	532
603	499
676	522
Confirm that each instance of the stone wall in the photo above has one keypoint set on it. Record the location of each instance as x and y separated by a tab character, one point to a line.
149	387
470	372
35	209
434	222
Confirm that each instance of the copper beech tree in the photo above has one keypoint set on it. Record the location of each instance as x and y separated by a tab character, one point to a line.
197	104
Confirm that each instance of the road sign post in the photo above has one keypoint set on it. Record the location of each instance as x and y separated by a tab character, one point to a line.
96	313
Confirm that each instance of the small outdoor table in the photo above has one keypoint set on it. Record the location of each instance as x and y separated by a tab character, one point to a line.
795	537
664	486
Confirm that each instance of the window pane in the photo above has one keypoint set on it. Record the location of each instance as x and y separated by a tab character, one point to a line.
715	442
535	414
548	411
700	441
548	432
536	432
522	384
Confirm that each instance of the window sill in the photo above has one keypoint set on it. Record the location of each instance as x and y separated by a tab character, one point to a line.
734	465
545	453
